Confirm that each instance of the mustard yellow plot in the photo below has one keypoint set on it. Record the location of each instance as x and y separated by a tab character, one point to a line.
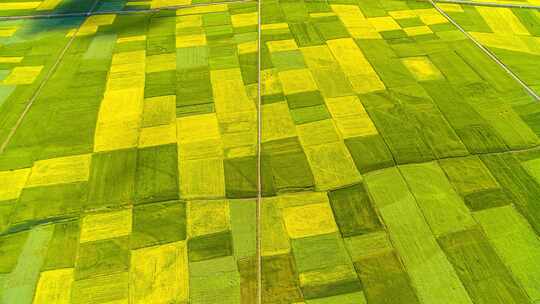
119	120
106	19
229	92
354	64
128	58
188	21
207	217
247	47
430	16
131	39
321	15
239	133
351	118
7	31
190	40
502	21
324	276
317	132
160	274
6	6
48	5
301	198
100	226
163	3
448	7
297	81
332	166
274	26
355	22
240	20
197	128
23	75
202	9
418	30
309	220
10	59
201	178
162	62
12	183
91	24
422	68
503	41
54	286
270	83
282	45
159	135
402	14
382	24
274	238
277	122
159	111
116	135
60	170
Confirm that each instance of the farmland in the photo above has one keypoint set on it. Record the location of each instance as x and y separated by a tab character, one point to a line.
276	152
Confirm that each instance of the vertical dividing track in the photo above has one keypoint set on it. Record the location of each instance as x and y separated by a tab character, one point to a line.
259	171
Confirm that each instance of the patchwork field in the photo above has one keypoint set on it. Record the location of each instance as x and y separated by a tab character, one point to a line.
362	152
512	34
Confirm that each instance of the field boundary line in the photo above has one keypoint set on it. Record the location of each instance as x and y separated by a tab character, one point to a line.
120	12
531	92
258	205
490	4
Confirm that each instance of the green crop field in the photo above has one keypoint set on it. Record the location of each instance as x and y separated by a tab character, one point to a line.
277	152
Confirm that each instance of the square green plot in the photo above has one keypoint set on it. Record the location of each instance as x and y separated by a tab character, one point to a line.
112	178
280	280
409	22
157	174
330	28
102	257
384	279
353	211
62	249
310	114
210	246
110	288
6	208
249	68
191	57
325	267
244	226
369	153
158	223
160	84
287	165
156	45
241	177
306	34
215	280
221	18
394	34
305	99
288	60
480	269
193	87
48	202
224	62
11	247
